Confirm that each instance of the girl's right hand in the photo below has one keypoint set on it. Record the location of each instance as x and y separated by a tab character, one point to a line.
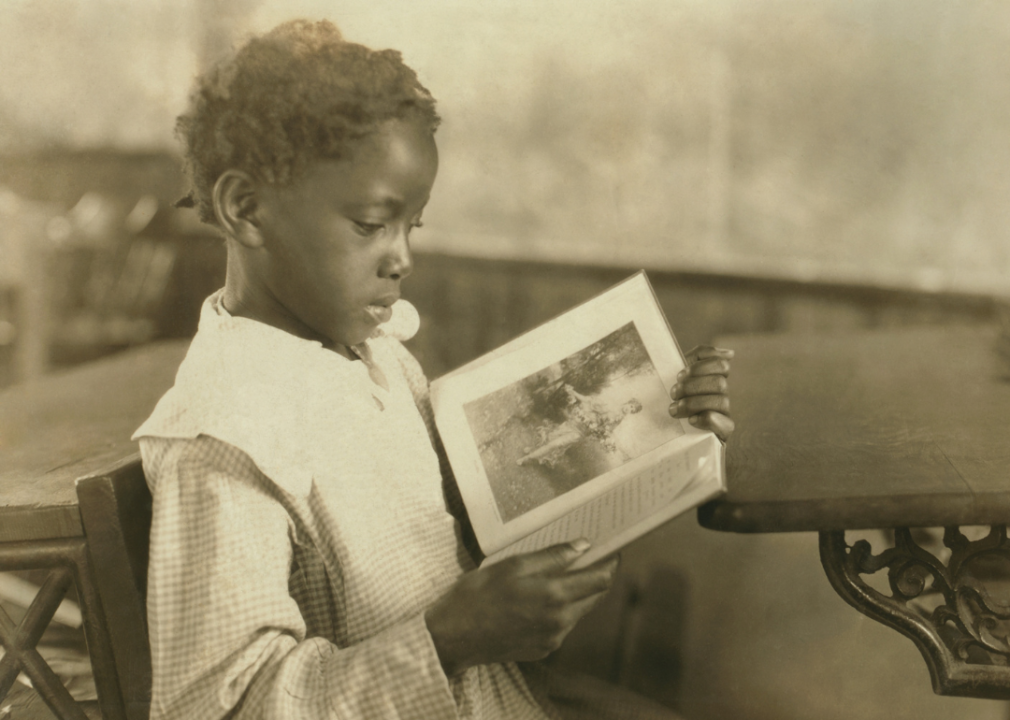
518	609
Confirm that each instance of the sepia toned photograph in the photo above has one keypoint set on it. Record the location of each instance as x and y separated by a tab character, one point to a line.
242	241
571	422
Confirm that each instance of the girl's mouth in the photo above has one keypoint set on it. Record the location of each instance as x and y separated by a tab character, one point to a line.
380	313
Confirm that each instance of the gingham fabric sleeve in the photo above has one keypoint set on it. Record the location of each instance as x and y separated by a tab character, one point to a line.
227	636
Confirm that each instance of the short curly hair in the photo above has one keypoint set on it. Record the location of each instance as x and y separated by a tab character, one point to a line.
296	94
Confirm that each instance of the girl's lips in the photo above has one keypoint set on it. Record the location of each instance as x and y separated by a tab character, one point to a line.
381	313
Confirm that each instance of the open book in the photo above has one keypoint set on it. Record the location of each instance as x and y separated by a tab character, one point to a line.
565	432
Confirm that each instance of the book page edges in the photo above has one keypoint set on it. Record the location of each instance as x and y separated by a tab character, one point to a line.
712	486
707	483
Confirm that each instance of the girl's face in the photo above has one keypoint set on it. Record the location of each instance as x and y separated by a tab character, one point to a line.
336	241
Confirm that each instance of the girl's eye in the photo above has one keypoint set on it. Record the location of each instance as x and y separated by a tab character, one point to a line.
367	228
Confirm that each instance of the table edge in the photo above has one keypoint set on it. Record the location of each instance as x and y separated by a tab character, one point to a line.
991	508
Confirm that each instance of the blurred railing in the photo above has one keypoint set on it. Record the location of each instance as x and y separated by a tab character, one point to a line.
94	258
469	306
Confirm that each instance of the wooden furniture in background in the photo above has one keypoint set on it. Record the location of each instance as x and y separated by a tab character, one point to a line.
53	431
895	429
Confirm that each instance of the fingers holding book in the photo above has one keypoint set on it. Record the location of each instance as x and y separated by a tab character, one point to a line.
703	353
519	609
702	390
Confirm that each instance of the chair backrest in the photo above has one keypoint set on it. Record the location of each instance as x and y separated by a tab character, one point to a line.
115	508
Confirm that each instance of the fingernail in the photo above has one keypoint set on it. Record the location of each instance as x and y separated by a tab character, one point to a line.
580	545
693	419
681	375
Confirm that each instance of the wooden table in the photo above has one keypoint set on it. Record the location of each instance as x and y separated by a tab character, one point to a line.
52	431
891	429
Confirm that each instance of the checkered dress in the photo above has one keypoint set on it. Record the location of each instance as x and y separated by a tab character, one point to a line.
301	528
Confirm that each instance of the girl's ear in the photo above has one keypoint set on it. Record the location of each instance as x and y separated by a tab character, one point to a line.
236	205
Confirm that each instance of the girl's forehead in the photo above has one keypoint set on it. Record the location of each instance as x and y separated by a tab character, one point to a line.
393	165
396	145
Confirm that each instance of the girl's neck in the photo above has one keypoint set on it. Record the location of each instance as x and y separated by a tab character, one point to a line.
241	301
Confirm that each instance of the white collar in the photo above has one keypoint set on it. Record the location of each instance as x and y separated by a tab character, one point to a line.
241	379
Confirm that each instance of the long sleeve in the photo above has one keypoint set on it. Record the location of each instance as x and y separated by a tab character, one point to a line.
228	636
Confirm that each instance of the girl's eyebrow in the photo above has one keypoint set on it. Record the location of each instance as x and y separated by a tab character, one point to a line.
390	202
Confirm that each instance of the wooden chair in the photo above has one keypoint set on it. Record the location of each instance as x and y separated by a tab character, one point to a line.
115	508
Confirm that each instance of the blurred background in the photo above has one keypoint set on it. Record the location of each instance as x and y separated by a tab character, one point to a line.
777	165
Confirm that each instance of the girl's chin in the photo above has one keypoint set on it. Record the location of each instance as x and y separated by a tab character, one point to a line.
356	335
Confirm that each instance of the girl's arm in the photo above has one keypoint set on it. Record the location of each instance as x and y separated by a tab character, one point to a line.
227	637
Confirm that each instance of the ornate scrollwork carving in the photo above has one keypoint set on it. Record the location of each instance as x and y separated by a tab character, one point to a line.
965	637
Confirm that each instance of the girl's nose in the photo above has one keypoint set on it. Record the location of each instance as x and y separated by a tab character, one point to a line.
398	262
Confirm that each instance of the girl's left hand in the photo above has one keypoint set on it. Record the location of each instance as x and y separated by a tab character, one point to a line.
701	393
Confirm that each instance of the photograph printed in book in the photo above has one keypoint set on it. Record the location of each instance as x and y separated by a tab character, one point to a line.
571	422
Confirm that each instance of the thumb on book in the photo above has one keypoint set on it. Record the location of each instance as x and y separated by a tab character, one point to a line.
559	557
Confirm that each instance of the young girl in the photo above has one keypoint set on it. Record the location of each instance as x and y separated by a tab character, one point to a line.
307	553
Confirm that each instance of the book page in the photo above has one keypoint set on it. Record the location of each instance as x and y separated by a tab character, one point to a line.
655	491
562	414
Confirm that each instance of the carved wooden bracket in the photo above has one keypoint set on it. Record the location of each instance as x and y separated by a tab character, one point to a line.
965	639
